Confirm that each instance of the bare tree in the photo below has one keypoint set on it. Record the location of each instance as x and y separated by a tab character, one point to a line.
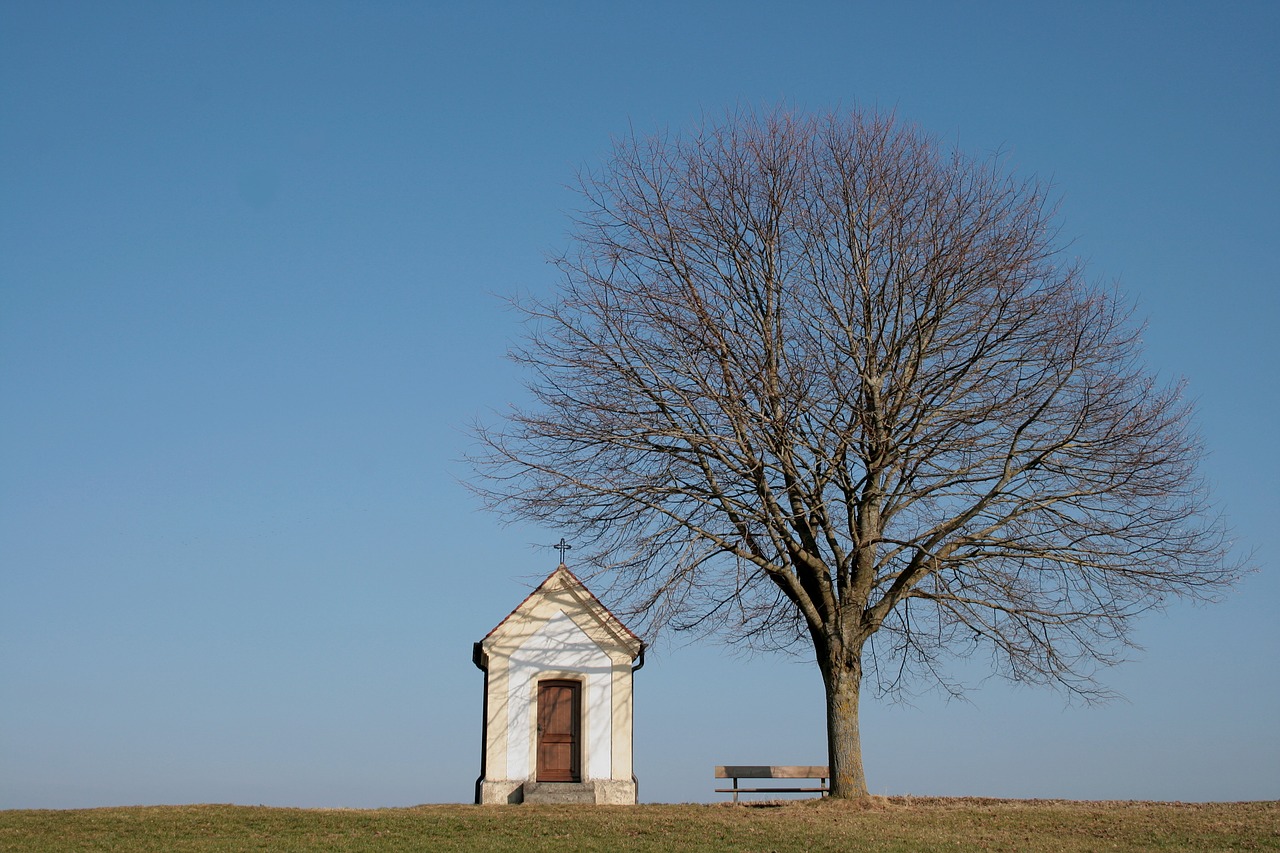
818	378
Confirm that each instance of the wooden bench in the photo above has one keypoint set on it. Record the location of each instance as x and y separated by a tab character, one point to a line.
772	771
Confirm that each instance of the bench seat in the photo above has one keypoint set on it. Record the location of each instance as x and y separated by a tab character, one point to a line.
773	771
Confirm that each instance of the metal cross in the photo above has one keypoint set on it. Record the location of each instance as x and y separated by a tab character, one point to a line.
562	546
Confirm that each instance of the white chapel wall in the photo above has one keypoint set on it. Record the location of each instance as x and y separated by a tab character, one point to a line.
560	646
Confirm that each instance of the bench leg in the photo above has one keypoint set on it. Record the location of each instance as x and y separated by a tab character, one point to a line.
735	793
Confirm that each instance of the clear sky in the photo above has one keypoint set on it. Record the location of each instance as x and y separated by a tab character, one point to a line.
251	257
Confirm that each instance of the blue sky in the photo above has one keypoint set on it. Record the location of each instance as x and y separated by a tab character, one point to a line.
251	260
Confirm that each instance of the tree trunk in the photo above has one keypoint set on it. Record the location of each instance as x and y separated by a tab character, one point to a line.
843	680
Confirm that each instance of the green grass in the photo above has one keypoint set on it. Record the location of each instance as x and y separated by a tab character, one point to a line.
893	824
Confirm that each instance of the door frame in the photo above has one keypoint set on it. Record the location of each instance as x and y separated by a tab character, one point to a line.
578	689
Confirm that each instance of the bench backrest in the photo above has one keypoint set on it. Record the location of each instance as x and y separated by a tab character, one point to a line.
772	771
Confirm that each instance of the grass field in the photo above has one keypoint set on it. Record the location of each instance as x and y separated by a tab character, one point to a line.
893	824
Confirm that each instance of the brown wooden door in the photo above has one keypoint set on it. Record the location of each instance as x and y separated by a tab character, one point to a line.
559	722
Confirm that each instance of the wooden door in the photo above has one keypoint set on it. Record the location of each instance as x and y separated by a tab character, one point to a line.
559	722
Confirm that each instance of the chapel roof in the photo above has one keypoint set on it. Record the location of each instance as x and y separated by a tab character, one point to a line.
568	578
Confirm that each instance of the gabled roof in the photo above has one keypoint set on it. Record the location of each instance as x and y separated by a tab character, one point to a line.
562	578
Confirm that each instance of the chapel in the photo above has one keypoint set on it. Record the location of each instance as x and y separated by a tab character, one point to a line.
558	700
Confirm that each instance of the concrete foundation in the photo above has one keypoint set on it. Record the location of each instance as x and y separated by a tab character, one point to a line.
611	792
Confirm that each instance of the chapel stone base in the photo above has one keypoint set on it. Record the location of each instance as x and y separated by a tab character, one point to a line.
612	792
501	791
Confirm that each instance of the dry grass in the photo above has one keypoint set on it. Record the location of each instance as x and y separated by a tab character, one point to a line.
880	824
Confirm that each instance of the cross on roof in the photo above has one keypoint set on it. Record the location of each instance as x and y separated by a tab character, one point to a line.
562	546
